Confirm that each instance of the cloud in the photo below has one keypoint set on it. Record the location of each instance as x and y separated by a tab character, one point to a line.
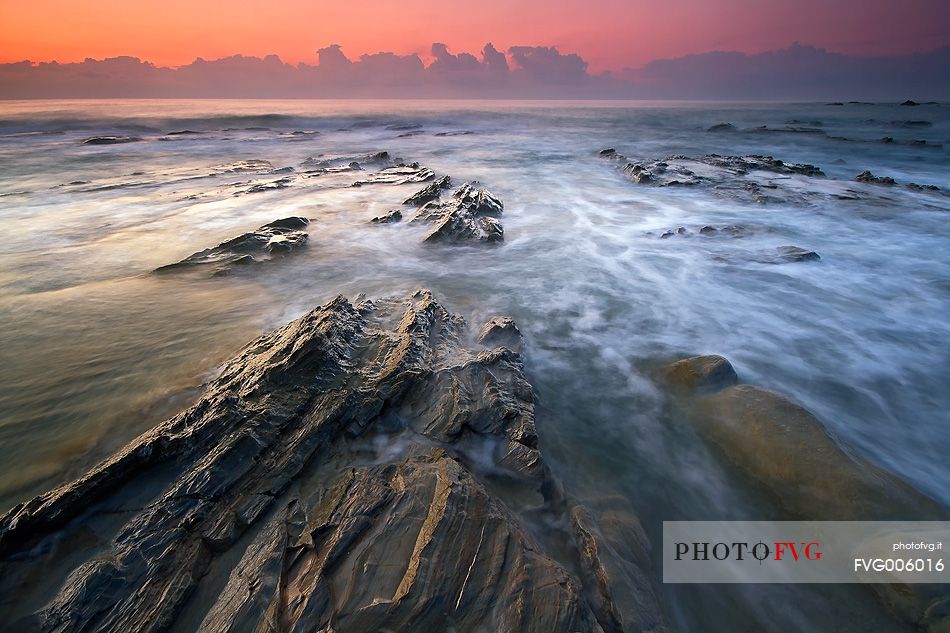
795	72
545	64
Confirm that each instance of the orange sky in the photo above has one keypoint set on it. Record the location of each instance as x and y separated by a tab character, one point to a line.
610	34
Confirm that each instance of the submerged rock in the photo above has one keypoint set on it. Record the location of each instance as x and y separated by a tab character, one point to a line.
265	506
707	230
787	255
110	140
276	238
397	175
722	127
470	215
788	452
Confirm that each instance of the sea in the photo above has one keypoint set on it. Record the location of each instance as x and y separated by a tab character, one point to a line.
96	349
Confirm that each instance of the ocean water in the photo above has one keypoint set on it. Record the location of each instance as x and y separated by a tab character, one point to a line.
95	350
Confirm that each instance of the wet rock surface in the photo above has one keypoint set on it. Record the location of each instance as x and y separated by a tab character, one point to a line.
787	255
700	374
397	175
429	192
708	230
789	453
743	177
868	177
274	239
470	215
333	477
110	140
388	218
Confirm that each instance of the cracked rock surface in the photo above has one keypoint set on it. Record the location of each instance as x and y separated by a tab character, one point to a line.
369	466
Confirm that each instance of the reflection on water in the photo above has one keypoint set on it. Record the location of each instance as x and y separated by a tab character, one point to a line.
95	350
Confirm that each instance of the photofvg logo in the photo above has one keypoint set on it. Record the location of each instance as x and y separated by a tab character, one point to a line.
804	551
760	551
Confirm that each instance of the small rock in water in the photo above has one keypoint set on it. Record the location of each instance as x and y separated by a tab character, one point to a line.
110	140
868	177
700	373
388	218
796	254
916	187
722	127
276	238
910	102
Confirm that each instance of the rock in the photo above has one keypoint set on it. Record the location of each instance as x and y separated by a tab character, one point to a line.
271	504
916	187
397	175
732	175
913	124
910	103
349	162
787	450
722	127
389	218
501	331
404	127
183	133
110	140
274	185
835	103
455	133
276	238
788	254
700	374
429	193
471	215
868	177
887	140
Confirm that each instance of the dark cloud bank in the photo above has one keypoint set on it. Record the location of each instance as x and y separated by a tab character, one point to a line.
796	72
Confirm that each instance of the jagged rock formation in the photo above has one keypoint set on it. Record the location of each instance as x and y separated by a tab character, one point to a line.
346	472
274	239
470	215
429	192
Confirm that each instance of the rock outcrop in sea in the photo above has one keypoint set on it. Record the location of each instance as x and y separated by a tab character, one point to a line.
787	451
367	467
274	239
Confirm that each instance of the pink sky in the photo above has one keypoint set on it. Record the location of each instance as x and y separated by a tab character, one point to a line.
610	34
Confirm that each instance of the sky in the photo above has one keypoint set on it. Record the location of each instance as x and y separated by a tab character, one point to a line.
608	34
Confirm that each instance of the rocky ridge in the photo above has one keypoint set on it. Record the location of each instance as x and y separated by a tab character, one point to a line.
340	474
